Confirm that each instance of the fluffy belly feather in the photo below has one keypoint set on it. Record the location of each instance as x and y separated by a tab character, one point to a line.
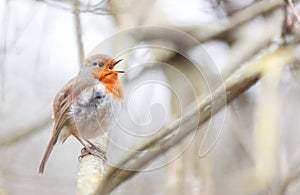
93	113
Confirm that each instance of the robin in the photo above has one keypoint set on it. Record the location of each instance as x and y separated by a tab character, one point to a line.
84	106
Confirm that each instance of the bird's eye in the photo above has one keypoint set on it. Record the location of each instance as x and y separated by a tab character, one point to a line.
95	63
100	64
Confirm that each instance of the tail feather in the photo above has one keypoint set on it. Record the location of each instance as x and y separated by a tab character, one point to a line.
47	154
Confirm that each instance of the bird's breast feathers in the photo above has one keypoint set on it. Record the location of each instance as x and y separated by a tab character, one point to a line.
93	111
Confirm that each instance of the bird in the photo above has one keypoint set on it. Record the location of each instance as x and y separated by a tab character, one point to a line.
84	106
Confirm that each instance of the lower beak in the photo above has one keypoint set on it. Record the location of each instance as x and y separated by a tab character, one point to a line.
114	64
119	71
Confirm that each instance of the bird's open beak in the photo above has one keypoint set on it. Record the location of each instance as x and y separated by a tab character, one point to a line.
114	64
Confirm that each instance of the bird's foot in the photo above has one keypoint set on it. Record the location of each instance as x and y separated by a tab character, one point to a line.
94	150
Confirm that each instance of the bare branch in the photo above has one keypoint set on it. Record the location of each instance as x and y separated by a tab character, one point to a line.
239	54
212	30
294	11
97	8
92	169
237	83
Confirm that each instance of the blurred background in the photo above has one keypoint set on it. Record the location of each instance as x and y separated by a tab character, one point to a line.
181	54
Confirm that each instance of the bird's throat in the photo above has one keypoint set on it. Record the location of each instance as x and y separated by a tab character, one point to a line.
111	82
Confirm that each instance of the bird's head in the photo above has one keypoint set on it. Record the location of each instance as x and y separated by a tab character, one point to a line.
102	68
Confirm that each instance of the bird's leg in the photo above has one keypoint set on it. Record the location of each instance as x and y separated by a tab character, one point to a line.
90	150
99	149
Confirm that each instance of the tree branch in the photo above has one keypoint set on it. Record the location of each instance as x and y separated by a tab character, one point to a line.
242	79
98	8
212	30
92	169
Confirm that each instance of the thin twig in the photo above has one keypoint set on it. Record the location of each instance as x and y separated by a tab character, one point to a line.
98	8
5	24
239	53
78	30
237	83
295	12
208	31
238	124
212	30
292	174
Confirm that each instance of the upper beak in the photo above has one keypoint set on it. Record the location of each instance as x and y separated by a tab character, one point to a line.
114	64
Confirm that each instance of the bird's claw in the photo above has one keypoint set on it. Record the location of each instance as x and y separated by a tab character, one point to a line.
94	151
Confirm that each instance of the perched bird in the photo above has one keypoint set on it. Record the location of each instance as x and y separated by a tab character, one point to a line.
84	106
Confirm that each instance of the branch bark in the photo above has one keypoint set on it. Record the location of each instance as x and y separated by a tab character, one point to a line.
92	169
241	80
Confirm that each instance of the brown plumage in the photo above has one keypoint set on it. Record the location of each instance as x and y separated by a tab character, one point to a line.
83	106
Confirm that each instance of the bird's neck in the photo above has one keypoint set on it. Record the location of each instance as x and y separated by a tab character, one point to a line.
111	83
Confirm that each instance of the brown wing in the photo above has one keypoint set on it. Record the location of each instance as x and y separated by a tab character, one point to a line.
69	94
61	108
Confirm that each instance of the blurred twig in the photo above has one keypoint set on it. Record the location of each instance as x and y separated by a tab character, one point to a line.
4	25
219	28
266	132
293	174
174	174
244	47
212	30
133	15
97	8
78	30
235	84
2	188
293	10
14	135
239	131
